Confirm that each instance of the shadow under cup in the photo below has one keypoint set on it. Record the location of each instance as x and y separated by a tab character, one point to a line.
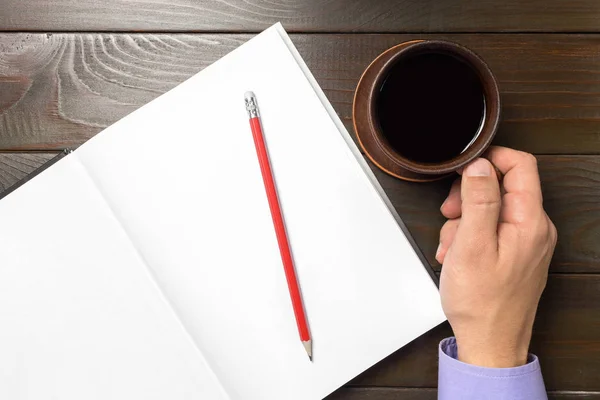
424	109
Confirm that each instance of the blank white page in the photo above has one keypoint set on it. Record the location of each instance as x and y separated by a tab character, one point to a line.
80	316
181	175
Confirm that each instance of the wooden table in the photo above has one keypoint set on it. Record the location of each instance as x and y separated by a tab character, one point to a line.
69	68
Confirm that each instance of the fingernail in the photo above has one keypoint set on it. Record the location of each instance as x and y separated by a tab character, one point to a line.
437	252
479	167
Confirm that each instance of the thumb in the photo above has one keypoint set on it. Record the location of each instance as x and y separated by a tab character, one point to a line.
480	192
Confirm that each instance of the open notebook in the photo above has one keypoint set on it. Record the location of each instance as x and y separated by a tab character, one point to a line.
133	270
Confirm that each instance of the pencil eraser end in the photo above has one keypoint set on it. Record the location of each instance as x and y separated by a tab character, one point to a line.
249	95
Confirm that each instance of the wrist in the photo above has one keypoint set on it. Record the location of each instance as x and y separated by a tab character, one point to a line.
492	358
492	352
496	340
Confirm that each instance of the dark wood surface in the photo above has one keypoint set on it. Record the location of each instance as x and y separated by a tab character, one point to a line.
567	328
571	188
431	394
302	15
60	89
566	338
70	68
17	166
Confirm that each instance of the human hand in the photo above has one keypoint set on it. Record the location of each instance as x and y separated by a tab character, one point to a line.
495	249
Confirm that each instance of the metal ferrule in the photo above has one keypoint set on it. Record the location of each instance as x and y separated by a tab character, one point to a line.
251	106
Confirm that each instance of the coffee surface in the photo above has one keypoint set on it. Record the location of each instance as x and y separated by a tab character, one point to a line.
430	107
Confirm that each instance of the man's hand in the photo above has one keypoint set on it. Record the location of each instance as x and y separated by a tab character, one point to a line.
495	249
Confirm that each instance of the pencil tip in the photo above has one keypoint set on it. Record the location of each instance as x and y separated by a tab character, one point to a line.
308	347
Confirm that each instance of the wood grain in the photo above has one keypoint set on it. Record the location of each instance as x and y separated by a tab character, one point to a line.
349	393
58	90
565	395
16	166
571	188
566	338
571	192
567	329
301	15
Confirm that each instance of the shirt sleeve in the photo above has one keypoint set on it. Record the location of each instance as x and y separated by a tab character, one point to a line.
458	380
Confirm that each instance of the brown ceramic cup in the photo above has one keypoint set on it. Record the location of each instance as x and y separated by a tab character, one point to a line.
367	128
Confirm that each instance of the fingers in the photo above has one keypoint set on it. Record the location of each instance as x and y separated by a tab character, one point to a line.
519	169
480	192
447	234
451	207
522	201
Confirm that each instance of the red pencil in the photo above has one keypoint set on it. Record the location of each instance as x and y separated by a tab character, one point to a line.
282	240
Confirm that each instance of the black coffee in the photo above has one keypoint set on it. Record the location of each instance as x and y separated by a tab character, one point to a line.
430	107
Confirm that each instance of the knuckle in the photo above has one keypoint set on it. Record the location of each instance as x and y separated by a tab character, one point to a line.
542	232
553	232
448	228
484	196
530	160
537	229
444	230
524	207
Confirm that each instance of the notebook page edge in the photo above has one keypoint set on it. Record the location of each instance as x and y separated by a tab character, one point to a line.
366	169
83	147
353	148
303	73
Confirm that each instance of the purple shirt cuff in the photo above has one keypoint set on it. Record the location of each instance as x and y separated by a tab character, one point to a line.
458	380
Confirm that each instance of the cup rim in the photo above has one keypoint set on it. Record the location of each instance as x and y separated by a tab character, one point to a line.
492	105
